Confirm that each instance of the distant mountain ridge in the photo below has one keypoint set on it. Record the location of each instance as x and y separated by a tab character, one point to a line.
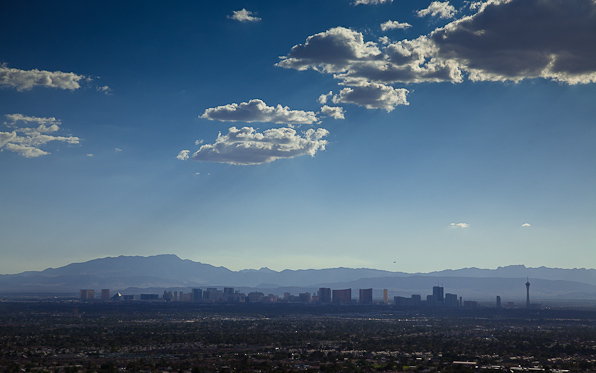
587	276
169	271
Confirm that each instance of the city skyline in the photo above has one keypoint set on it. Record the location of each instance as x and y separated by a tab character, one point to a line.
400	136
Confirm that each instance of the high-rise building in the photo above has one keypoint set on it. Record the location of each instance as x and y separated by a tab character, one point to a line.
451	300
304	297
105	294
528	293
438	293
416	299
197	295
86	294
385	296
343	296
365	296
498	301
403	301
325	295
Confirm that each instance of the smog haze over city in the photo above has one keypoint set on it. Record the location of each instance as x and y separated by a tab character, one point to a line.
408	136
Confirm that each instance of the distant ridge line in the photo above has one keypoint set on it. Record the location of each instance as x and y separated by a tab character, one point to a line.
170	271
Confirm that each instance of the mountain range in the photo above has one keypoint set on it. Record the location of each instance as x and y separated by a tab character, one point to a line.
135	274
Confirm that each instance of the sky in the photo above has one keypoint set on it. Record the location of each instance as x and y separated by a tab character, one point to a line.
400	135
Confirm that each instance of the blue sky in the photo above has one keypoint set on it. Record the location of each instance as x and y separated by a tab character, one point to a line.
400	135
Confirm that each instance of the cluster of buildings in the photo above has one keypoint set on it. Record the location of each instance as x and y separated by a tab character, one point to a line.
322	296
230	295
438	298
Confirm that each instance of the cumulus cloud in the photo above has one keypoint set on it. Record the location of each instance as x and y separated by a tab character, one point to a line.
324	97
438	8
244	16
504	40
526	225
247	146
335	112
344	53
384	40
373	96
391	25
257	111
459	225
183	155
366	2
331	51
524	39
27	141
26	79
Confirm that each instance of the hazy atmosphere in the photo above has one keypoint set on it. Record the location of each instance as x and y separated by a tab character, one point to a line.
399	135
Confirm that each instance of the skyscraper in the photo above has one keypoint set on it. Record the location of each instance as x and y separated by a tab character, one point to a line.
86	294
343	296
528	293
438	293
451	300
365	296
325	295
197	295
105	294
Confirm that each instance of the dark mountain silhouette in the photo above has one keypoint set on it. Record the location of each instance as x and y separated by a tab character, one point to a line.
170	272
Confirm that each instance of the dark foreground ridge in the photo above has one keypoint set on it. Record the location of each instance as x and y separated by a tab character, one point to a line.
69	336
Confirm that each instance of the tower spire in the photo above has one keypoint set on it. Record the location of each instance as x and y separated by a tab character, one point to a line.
528	293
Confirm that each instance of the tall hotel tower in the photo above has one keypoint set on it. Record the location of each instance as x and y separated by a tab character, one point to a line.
528	293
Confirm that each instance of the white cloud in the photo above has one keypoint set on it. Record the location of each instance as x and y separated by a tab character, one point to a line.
384	40
437	8
183	155
324	97
505	40
14	118
199	142
334	112
344	53
244	16
524	39
257	111
27	141
246	146
392	25
373	96
366	2
459	225
105	89
89	155
6	137
26	79
526	225
334	50
117	150
24	150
